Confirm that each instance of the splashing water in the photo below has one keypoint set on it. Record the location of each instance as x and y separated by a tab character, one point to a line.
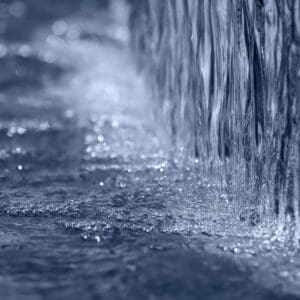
227	75
91	205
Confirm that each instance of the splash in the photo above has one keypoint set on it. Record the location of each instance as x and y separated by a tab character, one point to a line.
226	75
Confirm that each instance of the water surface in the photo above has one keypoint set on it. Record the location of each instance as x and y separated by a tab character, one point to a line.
91	206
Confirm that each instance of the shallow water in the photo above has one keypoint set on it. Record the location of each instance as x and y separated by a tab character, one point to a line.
91	206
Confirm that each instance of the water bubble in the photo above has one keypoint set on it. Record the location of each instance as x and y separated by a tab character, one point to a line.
284	274
88	149
25	50
131	268
18	150
115	124
54	41
69	114
3	50
122	184
17	9
222	247
11	131
73	34
236	250
21	130
107	148
101	183
49	57
84	237
20	167
59	27
44	126
100	138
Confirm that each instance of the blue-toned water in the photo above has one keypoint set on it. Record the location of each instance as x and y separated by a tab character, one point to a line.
95	200
227	76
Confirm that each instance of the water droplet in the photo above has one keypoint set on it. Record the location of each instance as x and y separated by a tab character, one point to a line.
122	184
131	268
59	27
115	124
284	274
21	130
25	50
100	138
73	34
18	150
69	114
44	126
49	58
236	250
17	9
3	50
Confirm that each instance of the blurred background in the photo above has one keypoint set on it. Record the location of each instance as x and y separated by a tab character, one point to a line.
20	18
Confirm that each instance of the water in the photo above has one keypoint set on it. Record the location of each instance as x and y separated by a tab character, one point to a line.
92	203
227	76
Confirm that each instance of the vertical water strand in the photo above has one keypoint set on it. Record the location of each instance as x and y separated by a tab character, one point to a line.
227	75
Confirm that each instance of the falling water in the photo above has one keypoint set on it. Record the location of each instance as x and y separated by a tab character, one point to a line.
102	198
227	77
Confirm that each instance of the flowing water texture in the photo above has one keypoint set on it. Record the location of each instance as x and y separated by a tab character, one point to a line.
227	75
95	200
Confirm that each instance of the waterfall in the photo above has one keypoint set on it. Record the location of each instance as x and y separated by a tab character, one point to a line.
226	75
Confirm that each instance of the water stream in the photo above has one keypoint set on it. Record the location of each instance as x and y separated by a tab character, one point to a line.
226	74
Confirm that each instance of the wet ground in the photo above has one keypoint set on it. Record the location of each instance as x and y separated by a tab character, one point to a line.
91	207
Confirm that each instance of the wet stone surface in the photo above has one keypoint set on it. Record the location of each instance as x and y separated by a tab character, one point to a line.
90	205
